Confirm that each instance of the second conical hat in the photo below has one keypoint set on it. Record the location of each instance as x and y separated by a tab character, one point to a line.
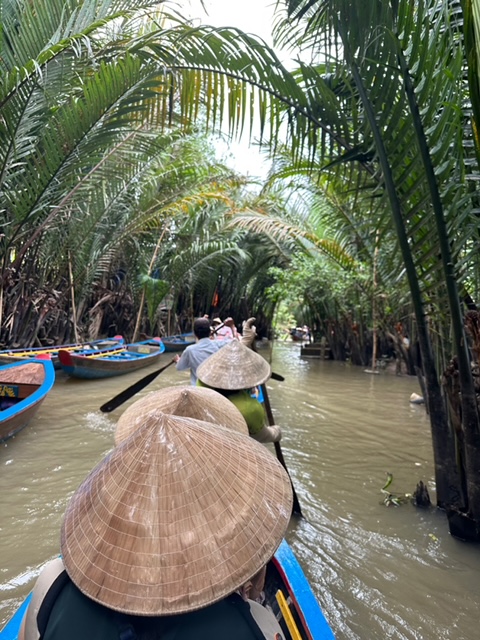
232	367
178	516
191	402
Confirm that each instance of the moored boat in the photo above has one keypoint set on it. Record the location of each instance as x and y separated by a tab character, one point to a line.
299	334
23	387
11	355
92	364
178	342
287	593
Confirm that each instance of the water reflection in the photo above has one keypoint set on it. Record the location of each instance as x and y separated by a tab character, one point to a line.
378	572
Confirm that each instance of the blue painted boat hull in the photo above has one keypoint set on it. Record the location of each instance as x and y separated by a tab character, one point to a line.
11	629
24	385
92	365
306	611
179	342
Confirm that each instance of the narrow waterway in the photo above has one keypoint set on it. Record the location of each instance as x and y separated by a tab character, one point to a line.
378	572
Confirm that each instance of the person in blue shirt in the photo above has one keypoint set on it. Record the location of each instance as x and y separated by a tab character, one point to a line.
206	345
196	353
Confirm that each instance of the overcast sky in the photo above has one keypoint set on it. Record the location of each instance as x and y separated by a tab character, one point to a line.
251	16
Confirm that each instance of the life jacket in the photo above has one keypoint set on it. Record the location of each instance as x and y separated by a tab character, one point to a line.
67	614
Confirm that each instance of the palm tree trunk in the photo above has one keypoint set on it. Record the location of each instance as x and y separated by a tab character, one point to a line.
72	297
374	312
470	417
446	474
142	300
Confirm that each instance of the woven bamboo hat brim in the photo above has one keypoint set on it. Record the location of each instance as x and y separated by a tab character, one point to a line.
176	517
190	402
232	367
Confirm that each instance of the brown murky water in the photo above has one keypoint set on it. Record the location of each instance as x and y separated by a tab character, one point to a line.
378	572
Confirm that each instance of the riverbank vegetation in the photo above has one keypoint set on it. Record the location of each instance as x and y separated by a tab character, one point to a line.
118	218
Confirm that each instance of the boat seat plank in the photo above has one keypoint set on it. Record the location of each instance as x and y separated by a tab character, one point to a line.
142	350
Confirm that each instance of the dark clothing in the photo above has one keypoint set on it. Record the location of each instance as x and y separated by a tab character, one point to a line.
73	616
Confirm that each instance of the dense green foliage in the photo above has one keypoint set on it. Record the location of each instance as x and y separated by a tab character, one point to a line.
104	182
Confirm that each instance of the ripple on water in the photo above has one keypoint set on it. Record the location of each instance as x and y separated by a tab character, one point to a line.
378	572
99	422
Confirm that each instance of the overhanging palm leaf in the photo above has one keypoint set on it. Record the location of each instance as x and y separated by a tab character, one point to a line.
280	229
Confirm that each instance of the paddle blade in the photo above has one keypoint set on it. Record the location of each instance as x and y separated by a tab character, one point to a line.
126	394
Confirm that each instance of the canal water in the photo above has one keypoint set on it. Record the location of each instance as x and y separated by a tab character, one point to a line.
378	571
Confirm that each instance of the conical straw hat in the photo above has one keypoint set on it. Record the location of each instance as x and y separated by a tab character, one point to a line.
176	517
191	402
232	367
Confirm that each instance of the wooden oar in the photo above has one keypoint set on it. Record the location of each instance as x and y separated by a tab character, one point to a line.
126	394
296	509
138	386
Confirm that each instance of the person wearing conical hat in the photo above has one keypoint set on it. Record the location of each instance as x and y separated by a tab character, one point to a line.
229	322
190	402
222	330
234	371
162	537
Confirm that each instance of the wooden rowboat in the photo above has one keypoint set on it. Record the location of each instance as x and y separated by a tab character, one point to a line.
23	387
299	335
91	364
178	342
287	593
11	355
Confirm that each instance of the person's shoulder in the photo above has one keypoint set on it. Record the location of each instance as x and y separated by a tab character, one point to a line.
51	571
193	347
48	575
213	345
199	343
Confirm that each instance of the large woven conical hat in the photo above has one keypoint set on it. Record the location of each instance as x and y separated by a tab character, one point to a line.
176	517
232	367
191	402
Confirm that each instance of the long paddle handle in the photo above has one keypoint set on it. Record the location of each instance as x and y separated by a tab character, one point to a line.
296	509
126	394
